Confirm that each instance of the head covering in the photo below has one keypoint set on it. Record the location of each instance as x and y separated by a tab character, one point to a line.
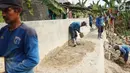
117	47
7	3
83	23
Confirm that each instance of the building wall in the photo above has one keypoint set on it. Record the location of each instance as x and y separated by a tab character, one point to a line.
39	11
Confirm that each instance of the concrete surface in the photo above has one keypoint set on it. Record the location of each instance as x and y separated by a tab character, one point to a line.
54	33
91	63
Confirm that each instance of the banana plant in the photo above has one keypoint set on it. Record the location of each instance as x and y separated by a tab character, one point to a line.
82	3
110	3
120	28
126	17
54	6
96	8
125	20
118	1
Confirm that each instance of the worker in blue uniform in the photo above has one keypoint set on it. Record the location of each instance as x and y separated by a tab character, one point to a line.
124	51
90	20
18	42
74	28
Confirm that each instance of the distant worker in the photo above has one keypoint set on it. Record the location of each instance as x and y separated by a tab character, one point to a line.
100	25
90	20
124	49
73	28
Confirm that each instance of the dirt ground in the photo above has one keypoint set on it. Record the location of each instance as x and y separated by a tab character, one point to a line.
114	64
66	56
112	67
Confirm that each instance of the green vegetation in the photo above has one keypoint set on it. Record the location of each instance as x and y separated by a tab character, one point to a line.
29	6
54	6
1	18
123	24
81	3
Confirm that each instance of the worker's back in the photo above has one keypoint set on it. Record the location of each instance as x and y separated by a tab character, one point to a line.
126	47
75	25
99	21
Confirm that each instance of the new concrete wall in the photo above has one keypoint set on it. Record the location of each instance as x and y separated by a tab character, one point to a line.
53	33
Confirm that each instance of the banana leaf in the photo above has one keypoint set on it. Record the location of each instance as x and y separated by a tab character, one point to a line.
54	6
107	2
118	1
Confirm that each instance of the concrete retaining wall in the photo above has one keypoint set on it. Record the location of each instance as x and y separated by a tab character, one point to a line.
53	33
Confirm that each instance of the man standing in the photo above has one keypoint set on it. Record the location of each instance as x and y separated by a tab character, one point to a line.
18	42
100	25
73	28
90	20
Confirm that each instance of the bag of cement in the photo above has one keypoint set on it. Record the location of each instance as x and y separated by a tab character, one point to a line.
81	35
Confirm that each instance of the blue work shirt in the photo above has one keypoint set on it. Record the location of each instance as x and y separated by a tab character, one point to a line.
125	49
75	26
20	49
99	21
90	19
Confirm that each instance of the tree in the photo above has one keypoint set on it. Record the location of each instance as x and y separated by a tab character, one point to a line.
121	22
118	1
110	3
54	6
82	3
96	8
